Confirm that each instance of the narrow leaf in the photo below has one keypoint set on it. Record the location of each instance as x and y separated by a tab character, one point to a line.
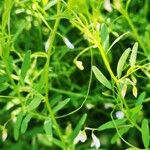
60	105
101	78
122	131
17	125
133	54
140	99
122	62
25	65
34	103
48	128
10	64
135	110
104	36
25	123
118	39
110	124
145	133
78	127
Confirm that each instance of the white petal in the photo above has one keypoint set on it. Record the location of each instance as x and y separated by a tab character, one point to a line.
68	43
95	142
80	137
83	136
119	114
4	135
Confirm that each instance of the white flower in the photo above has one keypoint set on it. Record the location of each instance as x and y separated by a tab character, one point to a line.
107	5
79	64
119	114
68	43
4	134
80	137
95	141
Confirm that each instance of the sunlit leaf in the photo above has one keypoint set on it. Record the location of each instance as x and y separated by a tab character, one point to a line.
133	54
122	62
101	78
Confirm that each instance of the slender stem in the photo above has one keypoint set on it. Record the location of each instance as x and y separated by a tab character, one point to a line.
52	38
106	62
126	15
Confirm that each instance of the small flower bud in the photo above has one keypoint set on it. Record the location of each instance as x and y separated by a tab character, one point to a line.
79	65
134	91
68	43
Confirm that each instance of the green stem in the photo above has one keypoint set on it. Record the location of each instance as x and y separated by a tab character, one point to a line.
106	62
52	38
126	15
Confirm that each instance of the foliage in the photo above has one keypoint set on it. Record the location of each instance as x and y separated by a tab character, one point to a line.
72	71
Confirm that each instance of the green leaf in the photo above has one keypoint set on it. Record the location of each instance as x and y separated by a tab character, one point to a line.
140	99
3	82
122	62
122	131
18	125
10	64
78	127
133	111
79	6
60	105
40	85
118	39
104	36
6	14
35	102
25	65
110	124
101	78
132	59
132	148
145	133
48	128
25	122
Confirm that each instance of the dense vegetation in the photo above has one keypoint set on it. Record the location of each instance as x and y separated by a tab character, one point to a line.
74	74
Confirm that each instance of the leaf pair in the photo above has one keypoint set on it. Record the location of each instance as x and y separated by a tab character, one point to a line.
123	59
21	124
